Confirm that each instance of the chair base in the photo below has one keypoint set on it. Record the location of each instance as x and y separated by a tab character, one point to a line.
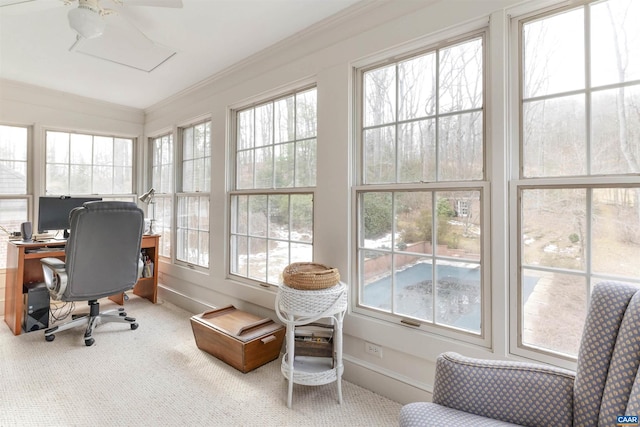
91	320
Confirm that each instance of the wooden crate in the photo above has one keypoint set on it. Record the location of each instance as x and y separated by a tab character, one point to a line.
314	339
241	339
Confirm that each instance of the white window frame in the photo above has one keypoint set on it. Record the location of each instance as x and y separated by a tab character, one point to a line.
234	193
201	194
162	197
469	31
520	183
130	196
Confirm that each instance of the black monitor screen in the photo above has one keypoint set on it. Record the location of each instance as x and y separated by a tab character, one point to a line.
53	212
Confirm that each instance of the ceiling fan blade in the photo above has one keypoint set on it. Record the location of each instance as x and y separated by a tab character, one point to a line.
153	3
123	43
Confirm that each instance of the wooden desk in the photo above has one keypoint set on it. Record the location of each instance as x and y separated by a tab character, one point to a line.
23	266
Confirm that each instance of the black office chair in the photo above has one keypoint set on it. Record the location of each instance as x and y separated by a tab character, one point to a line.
102	259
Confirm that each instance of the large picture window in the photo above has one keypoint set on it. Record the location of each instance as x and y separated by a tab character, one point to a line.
14	199
275	173
192	229
421	191
578	194
162	170
78	164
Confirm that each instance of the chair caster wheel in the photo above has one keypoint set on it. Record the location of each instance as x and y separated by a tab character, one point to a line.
89	342
49	337
122	314
134	326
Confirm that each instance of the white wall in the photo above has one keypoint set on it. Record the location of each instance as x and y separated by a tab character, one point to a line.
405	373
327	57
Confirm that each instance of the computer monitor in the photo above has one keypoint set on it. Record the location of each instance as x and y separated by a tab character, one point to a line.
53	212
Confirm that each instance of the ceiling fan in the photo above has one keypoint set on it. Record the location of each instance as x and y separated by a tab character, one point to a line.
108	33
88	19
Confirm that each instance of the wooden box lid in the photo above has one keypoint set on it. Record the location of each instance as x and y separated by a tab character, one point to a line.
237	324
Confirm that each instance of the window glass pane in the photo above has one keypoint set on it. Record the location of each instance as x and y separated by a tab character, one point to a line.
306	163
264	125
379	155
306	114
397	256
616	231
275	150
279	225
102	151
13	160
285	166
554	306
245	129
258	264
615	36
377	220
239	256
81	151
57	179
264	167
376	288
554	228
161	213
554	137
13	212
258	216
244	169
461	156
554	54
57	147
417	151
460	85
80	179
88	164
379	96
458	295
615	131
285	119
416	87
302	217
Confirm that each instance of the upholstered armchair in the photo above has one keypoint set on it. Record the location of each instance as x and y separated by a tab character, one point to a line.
473	392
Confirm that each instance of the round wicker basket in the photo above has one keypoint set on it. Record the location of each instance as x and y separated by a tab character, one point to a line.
310	276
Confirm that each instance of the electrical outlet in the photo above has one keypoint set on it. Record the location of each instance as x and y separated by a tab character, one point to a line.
374	349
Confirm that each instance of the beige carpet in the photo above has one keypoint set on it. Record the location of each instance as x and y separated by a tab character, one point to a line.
156	376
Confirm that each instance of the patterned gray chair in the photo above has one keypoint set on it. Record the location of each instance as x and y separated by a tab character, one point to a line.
606	384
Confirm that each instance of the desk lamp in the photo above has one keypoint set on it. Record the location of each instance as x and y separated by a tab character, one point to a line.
148	199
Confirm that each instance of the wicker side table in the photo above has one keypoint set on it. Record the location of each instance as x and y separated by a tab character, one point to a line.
296	307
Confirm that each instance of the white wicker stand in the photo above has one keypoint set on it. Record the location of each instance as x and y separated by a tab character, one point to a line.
296	307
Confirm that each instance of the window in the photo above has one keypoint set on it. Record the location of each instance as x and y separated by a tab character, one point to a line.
192	241
14	201
162	182
272	203
578	193
88	164
421	189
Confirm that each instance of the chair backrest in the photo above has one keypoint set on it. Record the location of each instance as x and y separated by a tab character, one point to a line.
103	249
607	383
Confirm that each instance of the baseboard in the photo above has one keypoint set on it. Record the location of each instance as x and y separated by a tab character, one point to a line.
183	301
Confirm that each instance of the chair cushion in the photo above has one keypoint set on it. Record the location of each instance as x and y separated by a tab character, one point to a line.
425	414
609	302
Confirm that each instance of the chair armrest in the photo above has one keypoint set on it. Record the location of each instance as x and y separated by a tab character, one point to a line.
55	276
516	392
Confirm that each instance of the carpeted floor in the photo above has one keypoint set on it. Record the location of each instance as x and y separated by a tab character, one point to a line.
156	376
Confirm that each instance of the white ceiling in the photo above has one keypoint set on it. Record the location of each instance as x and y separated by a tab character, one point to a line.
207	36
